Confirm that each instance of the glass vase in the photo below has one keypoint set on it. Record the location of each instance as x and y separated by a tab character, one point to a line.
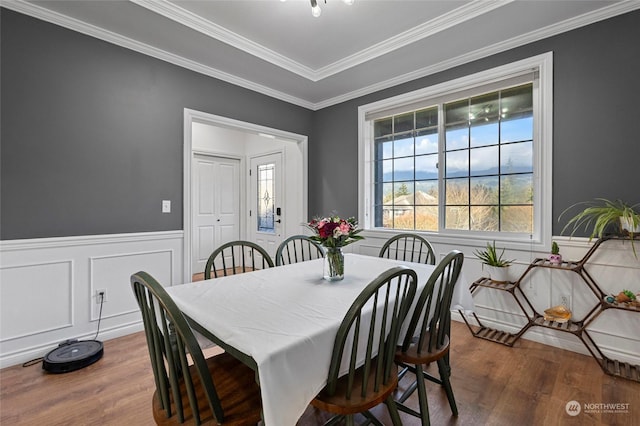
334	264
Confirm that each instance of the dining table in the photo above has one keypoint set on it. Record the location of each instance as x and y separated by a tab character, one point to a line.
282	322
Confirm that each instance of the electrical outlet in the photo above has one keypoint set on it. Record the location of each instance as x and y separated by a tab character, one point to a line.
101	296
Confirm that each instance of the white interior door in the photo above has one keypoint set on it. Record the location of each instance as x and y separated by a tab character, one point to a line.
266	215
216	205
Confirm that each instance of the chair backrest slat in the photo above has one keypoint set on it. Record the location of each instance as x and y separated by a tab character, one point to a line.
244	256
410	248
298	248
388	297
432	314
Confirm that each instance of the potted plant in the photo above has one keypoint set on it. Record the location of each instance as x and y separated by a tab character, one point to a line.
496	264
555	257
603	215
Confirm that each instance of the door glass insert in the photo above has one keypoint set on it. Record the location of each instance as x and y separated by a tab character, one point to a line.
266	191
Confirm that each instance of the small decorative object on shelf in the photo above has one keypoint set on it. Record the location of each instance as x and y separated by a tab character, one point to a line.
559	314
496	264
333	233
555	257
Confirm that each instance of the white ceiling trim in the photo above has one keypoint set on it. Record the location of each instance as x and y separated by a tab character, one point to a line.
570	24
119	40
457	16
210	29
451	19
44	14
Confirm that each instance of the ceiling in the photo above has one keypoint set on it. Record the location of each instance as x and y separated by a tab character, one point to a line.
279	49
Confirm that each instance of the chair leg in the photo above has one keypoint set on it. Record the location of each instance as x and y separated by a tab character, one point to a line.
422	397
349	420
393	411
445	373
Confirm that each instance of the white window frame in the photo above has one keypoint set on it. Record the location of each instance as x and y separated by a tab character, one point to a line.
542	161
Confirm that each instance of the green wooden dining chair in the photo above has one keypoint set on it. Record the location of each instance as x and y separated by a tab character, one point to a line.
371	375
236	257
298	248
410	248
217	390
431	323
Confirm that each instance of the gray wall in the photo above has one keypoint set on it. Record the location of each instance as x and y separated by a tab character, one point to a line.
92	133
596	149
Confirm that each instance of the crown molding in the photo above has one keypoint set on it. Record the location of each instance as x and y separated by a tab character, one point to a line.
607	12
457	16
210	29
615	9
73	24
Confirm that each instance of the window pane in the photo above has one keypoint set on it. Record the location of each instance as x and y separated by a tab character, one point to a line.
484	134
403	217
384	148
427	142
484	190
519	129
457	217
457	138
383	127
516	158
516	189
427	192
426	218
517	102
427	167
457	164
484	161
485	218
403	123
403	169
403	145
517	219
457	191
403	193
266	186
457	113
387	170
427	118
484	109
386	194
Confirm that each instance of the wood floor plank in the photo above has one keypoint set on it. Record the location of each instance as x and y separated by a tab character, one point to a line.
529	384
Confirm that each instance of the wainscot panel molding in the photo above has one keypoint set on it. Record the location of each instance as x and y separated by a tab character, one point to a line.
48	288
613	267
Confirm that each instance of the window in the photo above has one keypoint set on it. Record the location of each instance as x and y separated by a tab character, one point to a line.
465	158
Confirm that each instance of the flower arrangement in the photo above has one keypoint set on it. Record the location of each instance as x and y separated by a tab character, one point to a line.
334	233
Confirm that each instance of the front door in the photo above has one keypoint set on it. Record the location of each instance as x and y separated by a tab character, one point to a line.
216	205
266	216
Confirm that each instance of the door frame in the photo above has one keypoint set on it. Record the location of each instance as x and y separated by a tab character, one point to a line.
191	116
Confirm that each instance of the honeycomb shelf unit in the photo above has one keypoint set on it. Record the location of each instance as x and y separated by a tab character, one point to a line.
577	327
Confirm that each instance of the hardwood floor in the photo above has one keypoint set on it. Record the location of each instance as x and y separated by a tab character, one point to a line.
529	384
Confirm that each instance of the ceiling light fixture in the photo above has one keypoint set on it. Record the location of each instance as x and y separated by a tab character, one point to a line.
316	11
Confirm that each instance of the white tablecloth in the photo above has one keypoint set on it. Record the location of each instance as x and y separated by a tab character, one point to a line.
286	319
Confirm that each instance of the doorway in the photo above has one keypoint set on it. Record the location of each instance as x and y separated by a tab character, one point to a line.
256	141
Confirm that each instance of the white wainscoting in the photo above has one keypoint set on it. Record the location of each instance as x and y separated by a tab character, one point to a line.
48	288
613	267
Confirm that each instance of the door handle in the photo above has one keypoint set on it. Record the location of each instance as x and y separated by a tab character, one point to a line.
279	221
